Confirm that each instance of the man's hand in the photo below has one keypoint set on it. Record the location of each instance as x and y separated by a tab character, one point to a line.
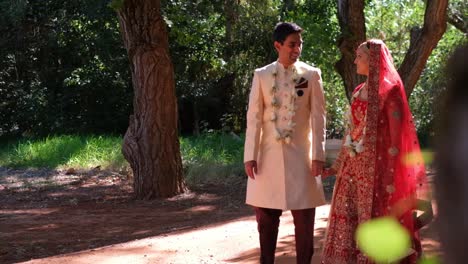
251	168
317	167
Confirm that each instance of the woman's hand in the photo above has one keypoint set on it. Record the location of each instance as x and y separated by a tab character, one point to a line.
328	172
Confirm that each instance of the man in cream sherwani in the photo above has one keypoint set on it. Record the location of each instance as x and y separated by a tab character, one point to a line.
282	161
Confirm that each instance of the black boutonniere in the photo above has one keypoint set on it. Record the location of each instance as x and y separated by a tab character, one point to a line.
302	83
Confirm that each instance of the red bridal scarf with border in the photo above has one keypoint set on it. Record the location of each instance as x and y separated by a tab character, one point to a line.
399	172
384	179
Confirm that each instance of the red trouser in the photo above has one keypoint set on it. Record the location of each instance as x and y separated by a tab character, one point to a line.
268	223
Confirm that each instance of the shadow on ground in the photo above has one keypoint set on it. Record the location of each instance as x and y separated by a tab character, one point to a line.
285	250
55	213
48	213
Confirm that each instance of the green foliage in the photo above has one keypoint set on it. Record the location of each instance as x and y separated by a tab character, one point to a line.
213	157
64	151
116	4
214	64
63	69
209	158
425	100
392	20
319	21
211	147
196	43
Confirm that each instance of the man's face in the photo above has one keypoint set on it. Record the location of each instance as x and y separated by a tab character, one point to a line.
290	50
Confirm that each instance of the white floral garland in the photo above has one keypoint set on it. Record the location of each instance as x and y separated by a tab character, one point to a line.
285	135
354	147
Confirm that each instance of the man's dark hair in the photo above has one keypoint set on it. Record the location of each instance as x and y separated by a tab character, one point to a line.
284	29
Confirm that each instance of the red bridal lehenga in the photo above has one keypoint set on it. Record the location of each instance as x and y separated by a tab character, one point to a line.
387	173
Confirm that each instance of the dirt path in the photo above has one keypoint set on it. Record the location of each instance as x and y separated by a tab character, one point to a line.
234	241
89	217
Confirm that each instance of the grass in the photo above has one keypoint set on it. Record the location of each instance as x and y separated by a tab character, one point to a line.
64	151
211	157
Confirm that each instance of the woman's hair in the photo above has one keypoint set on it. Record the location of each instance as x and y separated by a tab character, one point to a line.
365	46
284	29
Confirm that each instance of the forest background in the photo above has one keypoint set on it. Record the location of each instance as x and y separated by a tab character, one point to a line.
64	69
67	98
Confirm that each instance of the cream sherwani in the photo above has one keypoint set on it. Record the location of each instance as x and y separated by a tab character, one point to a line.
284	180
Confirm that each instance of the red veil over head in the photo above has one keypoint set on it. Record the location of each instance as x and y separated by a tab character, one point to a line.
396	168
386	175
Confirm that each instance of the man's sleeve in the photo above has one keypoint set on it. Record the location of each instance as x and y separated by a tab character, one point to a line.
254	120
317	117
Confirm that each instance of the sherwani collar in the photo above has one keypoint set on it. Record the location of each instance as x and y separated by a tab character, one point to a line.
281	67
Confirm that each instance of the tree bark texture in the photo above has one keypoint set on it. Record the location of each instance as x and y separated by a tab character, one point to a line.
422	42
151	143
353	32
230	12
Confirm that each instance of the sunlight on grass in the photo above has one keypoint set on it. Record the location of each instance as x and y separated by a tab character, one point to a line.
206	158
64	151
212	157
213	147
99	151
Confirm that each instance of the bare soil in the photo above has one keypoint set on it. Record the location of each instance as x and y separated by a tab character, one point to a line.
49	216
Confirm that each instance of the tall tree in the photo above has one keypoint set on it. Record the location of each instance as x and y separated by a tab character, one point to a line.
423	41
231	15
353	31
151	143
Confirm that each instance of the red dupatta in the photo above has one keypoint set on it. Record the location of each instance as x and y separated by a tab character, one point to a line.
396	167
385	177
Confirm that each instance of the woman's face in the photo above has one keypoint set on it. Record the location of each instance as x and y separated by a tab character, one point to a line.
362	61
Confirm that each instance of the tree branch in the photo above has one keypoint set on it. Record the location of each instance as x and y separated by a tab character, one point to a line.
456	19
353	33
423	41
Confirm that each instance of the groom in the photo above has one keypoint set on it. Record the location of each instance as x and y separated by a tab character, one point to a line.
281	160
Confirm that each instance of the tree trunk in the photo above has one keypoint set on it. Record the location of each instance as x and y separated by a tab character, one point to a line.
422	42
226	83
353	32
230	13
151	143
196	118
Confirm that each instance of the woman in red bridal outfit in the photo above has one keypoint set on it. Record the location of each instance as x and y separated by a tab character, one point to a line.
379	169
